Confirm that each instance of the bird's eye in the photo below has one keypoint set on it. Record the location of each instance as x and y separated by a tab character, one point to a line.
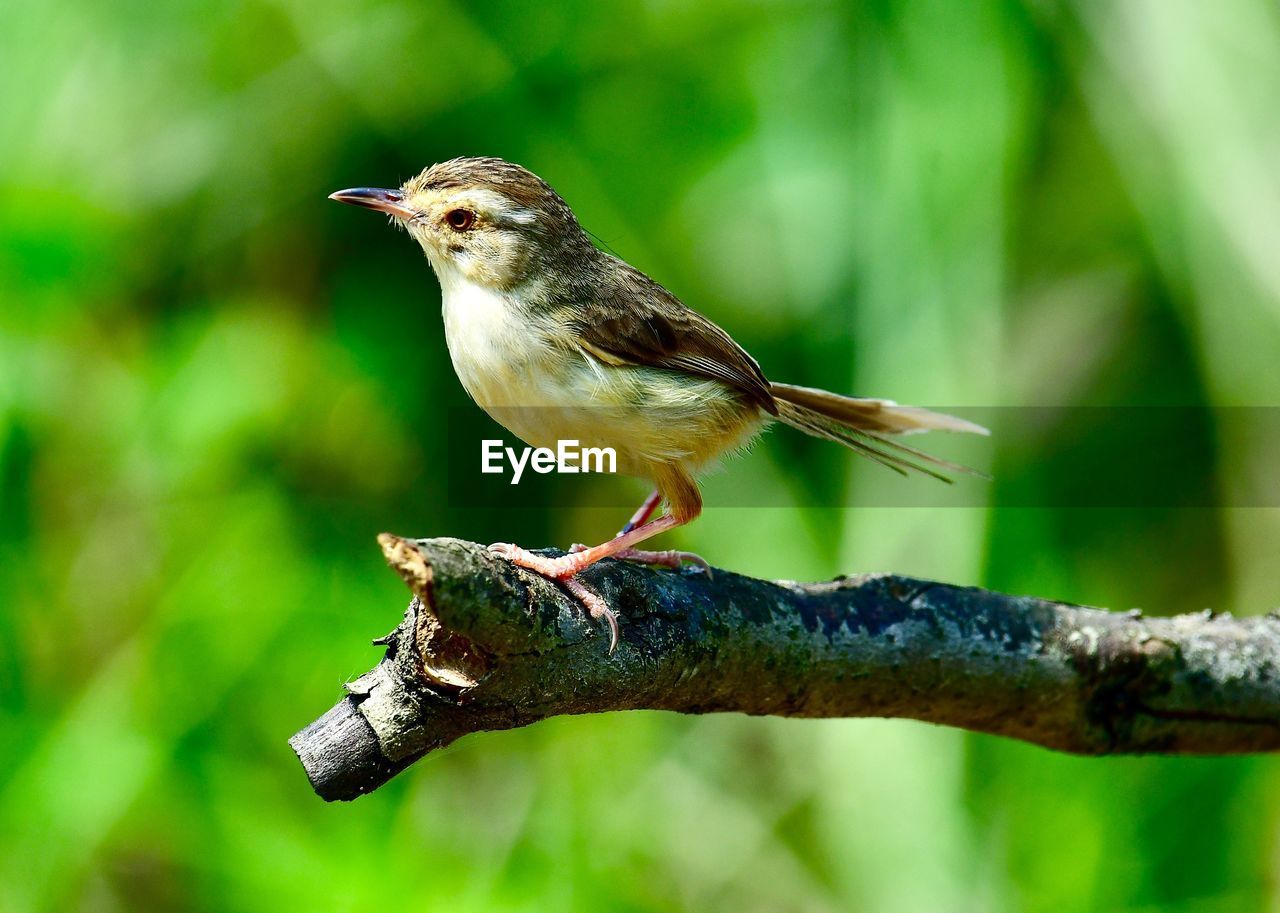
460	219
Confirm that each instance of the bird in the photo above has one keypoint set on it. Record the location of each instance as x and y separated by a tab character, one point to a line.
557	339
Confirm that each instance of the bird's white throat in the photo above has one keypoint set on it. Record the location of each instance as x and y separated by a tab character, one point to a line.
493	340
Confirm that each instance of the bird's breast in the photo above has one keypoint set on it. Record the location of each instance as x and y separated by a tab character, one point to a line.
504	353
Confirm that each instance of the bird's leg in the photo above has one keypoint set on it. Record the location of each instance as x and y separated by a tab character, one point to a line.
564	568
643	512
570	564
671	558
684	503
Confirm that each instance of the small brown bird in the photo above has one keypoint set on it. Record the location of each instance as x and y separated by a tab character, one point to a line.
558	340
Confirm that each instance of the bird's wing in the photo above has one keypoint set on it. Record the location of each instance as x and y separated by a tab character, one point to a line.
640	323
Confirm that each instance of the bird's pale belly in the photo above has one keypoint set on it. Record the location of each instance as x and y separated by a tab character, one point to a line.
544	390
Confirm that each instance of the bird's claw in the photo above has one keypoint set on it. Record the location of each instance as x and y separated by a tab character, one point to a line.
565	568
671	558
596	607
562	571
553	568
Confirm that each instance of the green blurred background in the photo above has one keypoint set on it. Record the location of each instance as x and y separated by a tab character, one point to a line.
216	387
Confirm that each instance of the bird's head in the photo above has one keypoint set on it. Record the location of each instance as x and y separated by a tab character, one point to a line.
482	221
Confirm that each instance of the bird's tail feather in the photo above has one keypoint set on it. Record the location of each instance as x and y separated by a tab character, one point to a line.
882	415
864	426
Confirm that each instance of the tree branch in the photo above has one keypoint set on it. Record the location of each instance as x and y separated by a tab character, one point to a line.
485	646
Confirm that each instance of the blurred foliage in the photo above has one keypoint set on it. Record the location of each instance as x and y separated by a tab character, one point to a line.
216	387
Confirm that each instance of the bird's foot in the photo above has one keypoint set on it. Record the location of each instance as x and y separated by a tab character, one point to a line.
563	570
596	607
554	568
671	558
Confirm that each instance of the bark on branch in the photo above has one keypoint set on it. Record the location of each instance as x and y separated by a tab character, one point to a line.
485	646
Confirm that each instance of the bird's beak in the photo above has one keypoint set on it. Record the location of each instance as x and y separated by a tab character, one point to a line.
388	201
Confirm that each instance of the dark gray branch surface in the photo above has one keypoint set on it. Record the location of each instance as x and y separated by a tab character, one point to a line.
485	646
